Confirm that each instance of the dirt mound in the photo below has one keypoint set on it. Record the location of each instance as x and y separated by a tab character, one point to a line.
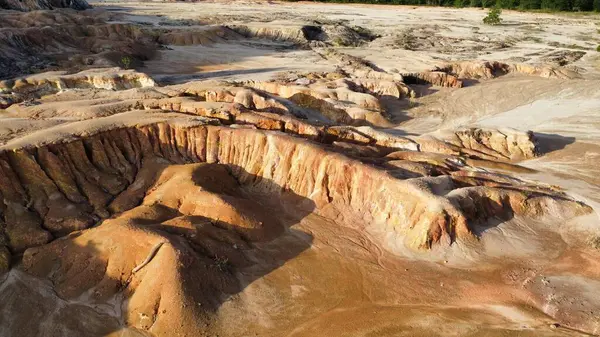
453	75
193	220
32	42
488	70
35	86
507	144
315	34
438	78
50	40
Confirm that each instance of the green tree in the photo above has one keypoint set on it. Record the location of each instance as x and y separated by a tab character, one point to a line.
532	4
493	17
126	62
557	5
583	5
508	3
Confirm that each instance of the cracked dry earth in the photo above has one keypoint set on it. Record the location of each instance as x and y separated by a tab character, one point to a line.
277	169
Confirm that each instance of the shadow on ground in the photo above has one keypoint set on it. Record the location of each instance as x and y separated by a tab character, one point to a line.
170	79
547	142
210	221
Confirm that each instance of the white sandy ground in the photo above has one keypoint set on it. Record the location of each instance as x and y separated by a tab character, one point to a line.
356	291
529	35
230	62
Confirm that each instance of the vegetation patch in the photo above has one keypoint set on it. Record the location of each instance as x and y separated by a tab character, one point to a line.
576	6
406	40
493	18
125	62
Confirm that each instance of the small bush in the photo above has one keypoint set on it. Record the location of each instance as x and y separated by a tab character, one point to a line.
598	49
126	62
406	40
493	18
221	263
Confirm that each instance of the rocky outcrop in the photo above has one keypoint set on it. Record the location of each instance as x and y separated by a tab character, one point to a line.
488	70
561	58
35	86
492	144
381	138
452	75
108	79
69	181
53	189
34	42
331	103
358	67
37	41
502	144
378	88
437	78
311	34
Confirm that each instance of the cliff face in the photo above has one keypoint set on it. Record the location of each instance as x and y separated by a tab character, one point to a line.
154	211
299	136
487	70
65	187
452	75
55	189
424	191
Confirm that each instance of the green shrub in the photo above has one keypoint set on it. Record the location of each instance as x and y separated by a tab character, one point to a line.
493	17
221	263
126	62
598	49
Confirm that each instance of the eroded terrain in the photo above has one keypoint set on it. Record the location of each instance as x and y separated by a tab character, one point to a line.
277	169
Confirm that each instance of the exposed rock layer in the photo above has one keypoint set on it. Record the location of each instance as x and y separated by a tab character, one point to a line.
58	188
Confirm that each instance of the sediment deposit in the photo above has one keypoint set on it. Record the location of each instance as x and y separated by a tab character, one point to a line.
223	175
